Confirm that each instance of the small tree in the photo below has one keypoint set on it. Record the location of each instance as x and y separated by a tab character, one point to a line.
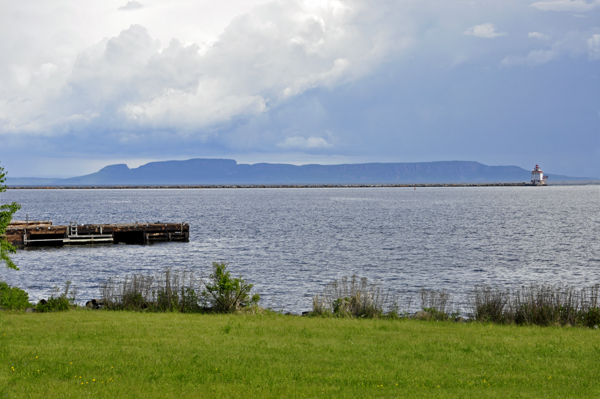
225	294
6	213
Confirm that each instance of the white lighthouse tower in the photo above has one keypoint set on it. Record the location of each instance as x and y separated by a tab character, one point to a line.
537	177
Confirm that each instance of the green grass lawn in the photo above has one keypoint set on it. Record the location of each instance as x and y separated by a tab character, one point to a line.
100	354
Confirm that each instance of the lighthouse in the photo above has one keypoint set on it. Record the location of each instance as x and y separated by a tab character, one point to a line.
537	177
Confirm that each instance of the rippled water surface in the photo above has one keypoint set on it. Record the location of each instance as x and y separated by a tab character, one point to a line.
291	242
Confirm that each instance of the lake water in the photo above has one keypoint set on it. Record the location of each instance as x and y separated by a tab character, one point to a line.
291	242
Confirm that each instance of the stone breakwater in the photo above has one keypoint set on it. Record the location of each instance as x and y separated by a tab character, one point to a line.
274	186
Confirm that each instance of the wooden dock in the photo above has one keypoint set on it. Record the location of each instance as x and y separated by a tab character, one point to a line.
42	233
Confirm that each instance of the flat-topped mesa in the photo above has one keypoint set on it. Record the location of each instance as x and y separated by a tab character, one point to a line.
36	233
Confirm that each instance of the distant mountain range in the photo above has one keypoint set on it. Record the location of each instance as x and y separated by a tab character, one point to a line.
229	172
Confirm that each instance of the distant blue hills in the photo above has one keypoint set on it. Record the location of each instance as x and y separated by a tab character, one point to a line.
229	172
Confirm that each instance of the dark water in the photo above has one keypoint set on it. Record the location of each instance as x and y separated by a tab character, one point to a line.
291	242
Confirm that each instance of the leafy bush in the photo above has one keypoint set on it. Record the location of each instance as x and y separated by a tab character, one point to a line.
13	297
590	317
225	294
62	302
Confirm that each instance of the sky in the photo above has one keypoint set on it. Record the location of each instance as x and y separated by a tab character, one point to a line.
85	84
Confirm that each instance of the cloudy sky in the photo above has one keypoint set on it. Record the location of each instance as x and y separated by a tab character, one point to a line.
84	84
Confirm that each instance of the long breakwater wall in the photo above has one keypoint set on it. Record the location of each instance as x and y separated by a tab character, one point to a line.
270	186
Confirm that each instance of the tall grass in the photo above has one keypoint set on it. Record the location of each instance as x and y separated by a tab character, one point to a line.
537	304
165	292
438	303
356	297
542	305
179	291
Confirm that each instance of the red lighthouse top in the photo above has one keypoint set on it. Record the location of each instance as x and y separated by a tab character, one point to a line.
537	169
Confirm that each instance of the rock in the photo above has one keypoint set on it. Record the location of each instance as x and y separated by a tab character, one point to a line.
31	310
94	304
422	315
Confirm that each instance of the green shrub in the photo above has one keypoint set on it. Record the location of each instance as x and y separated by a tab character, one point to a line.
13	297
590	317
58	303
224	294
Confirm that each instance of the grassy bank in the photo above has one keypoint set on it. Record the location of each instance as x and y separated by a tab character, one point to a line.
103	354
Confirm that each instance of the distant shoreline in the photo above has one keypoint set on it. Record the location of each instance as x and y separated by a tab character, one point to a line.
213	186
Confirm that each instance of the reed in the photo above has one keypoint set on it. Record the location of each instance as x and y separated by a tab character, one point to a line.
179	291
542	305
357	297
167	291
537	304
439	304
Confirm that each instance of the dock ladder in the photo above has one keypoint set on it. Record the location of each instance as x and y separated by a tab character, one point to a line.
73	229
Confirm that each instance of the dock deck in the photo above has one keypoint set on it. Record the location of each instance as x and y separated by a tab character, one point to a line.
41	233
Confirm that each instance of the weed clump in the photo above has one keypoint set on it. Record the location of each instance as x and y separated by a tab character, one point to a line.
355	297
174	291
542	305
438	305
59	302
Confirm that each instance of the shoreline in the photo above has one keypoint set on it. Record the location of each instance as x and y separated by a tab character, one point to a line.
221	186
357	185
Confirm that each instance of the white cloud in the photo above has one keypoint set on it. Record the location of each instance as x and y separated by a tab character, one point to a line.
566	5
277	51
131	5
535	57
538	35
304	143
573	44
594	47
117	78
487	31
